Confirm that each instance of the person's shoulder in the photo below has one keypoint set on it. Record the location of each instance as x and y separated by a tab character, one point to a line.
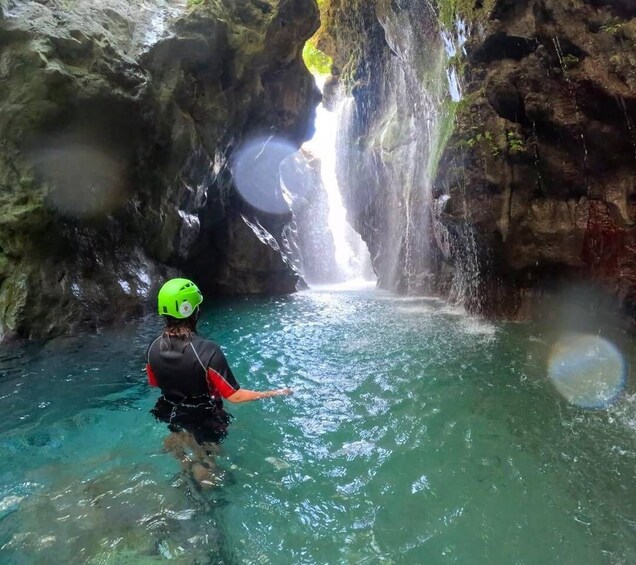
207	350
152	347
154	341
200	342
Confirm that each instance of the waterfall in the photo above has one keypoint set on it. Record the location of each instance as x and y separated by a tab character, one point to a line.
331	250
389	160
351	254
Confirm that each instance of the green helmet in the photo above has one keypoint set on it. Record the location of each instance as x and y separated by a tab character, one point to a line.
179	298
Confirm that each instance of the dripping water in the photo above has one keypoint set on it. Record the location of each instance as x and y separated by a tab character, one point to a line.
564	68
630	123
350	251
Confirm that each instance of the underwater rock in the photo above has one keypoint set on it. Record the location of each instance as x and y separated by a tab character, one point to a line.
277	463
118	126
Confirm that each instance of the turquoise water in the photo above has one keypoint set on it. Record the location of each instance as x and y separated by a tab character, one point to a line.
416	435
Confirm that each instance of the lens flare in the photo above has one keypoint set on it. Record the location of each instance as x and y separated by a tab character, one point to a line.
255	168
587	370
85	180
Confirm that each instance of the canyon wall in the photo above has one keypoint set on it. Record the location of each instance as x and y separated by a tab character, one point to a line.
118	123
493	151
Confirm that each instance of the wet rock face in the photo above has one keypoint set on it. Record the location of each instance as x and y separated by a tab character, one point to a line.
535	185
316	250
541	168
118	123
390	57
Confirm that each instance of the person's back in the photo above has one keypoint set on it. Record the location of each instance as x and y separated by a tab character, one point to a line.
190	369
192	373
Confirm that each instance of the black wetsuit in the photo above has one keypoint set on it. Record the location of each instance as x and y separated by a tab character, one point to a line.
194	377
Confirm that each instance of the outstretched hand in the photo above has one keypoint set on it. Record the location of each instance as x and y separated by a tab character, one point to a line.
284	392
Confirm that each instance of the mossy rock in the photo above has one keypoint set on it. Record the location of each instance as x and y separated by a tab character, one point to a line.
468	10
13	297
6	266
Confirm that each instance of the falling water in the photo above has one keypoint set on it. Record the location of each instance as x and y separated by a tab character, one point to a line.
454	45
628	120
351	253
395	163
561	56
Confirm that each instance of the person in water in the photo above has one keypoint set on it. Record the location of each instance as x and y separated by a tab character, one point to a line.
194	377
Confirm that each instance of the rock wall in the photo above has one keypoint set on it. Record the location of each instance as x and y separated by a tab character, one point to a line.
542	165
315	251
118	123
524	182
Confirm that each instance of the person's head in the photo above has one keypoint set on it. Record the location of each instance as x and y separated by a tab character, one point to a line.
178	304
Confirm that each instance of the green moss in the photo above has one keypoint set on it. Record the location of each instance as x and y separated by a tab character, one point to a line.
469	100
570	61
193	3
347	75
324	7
317	61
613	26
5	266
458	62
450	10
446	129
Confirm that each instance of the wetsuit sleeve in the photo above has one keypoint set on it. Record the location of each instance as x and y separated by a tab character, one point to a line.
152	379
220	375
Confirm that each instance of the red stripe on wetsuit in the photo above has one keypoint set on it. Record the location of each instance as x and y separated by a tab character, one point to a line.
152	379
216	382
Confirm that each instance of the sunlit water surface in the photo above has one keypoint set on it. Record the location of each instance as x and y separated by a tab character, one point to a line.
416	435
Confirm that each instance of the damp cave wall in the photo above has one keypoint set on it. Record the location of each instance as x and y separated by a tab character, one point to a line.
524	185
118	123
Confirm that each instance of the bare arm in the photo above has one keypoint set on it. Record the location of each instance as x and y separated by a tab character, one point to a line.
242	395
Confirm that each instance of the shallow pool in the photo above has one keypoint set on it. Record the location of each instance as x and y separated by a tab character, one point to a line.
416	435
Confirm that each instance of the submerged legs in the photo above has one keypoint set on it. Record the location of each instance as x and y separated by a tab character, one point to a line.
196	459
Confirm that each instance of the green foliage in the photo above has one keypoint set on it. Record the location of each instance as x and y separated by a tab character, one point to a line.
317	61
485	139
515	143
193	3
450	10
613	27
570	61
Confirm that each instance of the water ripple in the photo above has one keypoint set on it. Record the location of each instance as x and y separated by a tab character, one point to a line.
416	435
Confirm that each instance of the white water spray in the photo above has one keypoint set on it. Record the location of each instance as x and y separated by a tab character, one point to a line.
351	253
